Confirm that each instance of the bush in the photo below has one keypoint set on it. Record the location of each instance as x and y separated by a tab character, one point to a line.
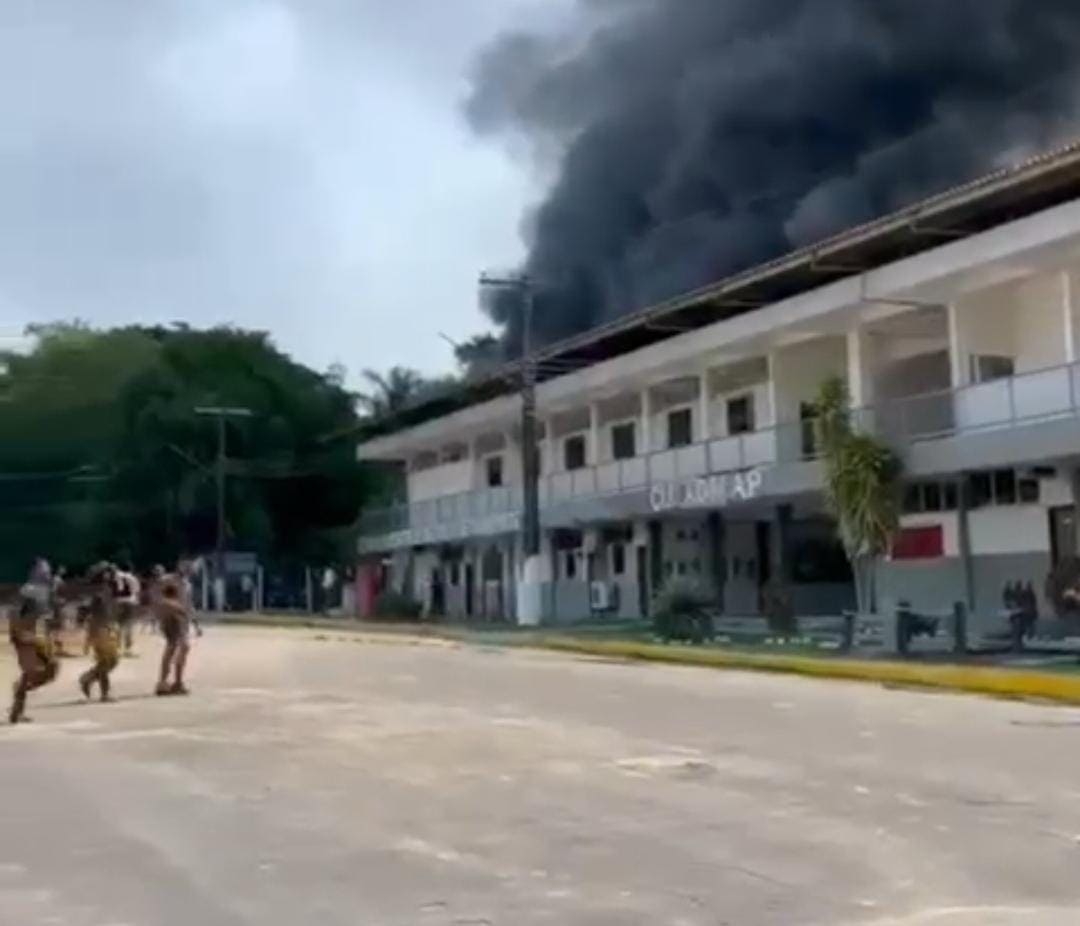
396	606
681	611
779	609
1063	586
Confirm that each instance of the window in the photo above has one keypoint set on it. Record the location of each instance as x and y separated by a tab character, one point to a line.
618	559
1005	487
574	452
982	490
985	368
1028	491
740	415
951	500
494	471
921	497
623	441
680	425
932	496
570	564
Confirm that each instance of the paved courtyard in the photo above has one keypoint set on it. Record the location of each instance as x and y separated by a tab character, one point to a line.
317	779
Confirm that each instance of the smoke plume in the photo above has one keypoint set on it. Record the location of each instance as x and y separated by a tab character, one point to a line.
692	138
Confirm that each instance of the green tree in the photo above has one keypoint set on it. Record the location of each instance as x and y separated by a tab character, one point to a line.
862	488
101	452
390	392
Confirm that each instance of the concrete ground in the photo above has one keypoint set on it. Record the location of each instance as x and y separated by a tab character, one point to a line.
315	779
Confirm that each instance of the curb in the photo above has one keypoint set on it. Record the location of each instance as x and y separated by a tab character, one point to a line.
996	682
1011	684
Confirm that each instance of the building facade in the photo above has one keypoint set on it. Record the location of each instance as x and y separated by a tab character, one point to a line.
679	443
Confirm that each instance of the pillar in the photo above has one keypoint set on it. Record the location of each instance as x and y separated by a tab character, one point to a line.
656	558
963	532
1067	312
646	421
704	407
717	530
857	373
782	566
956	346
594	434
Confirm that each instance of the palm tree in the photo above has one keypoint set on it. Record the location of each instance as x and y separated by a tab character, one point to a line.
391	391
862	488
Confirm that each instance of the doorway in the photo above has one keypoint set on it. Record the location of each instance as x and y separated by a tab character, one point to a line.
1062	533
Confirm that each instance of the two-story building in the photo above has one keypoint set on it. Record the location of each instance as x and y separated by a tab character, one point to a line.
679	441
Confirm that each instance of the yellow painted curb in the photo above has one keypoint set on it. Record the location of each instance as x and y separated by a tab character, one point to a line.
1003	683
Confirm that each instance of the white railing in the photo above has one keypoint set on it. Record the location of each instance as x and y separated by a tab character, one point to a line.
1029	397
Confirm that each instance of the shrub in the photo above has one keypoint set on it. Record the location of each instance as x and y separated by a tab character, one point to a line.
396	606
681	611
779	609
1063	587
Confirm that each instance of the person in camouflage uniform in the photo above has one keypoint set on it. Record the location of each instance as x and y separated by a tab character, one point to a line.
101	632
37	664
174	618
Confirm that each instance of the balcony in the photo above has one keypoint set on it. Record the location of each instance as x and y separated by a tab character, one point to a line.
1027	399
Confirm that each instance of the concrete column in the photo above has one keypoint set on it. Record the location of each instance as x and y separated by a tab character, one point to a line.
549	446
594	434
782	567
1074	478
774	402
646	420
656	558
704	407
1067	312
956	346
508	591
964	540
857	373
717	531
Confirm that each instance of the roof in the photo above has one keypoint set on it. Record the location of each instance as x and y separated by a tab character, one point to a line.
1005	195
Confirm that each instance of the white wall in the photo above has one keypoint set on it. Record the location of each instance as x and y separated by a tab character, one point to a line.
1022	320
763	412
448	479
1039	322
1010	529
799	371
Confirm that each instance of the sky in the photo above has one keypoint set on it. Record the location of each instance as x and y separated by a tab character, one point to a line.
296	166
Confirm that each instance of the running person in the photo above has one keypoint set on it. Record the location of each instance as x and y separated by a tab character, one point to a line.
101	632
37	665
174	618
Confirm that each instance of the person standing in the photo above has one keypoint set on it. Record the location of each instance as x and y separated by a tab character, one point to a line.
54	623
126	592
37	664
174	619
101	632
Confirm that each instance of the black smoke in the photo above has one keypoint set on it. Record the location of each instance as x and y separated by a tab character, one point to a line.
693	138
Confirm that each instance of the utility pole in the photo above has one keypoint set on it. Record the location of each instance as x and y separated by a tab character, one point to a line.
530	594
221	414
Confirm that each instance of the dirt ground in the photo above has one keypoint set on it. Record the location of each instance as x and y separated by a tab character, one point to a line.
333	779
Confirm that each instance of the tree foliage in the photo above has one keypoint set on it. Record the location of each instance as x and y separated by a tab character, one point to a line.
862	486
102	453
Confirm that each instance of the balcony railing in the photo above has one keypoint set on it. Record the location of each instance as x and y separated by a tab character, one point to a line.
1027	398
786	443
1042	395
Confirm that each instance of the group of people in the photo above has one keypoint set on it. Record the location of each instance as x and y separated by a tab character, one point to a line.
108	612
